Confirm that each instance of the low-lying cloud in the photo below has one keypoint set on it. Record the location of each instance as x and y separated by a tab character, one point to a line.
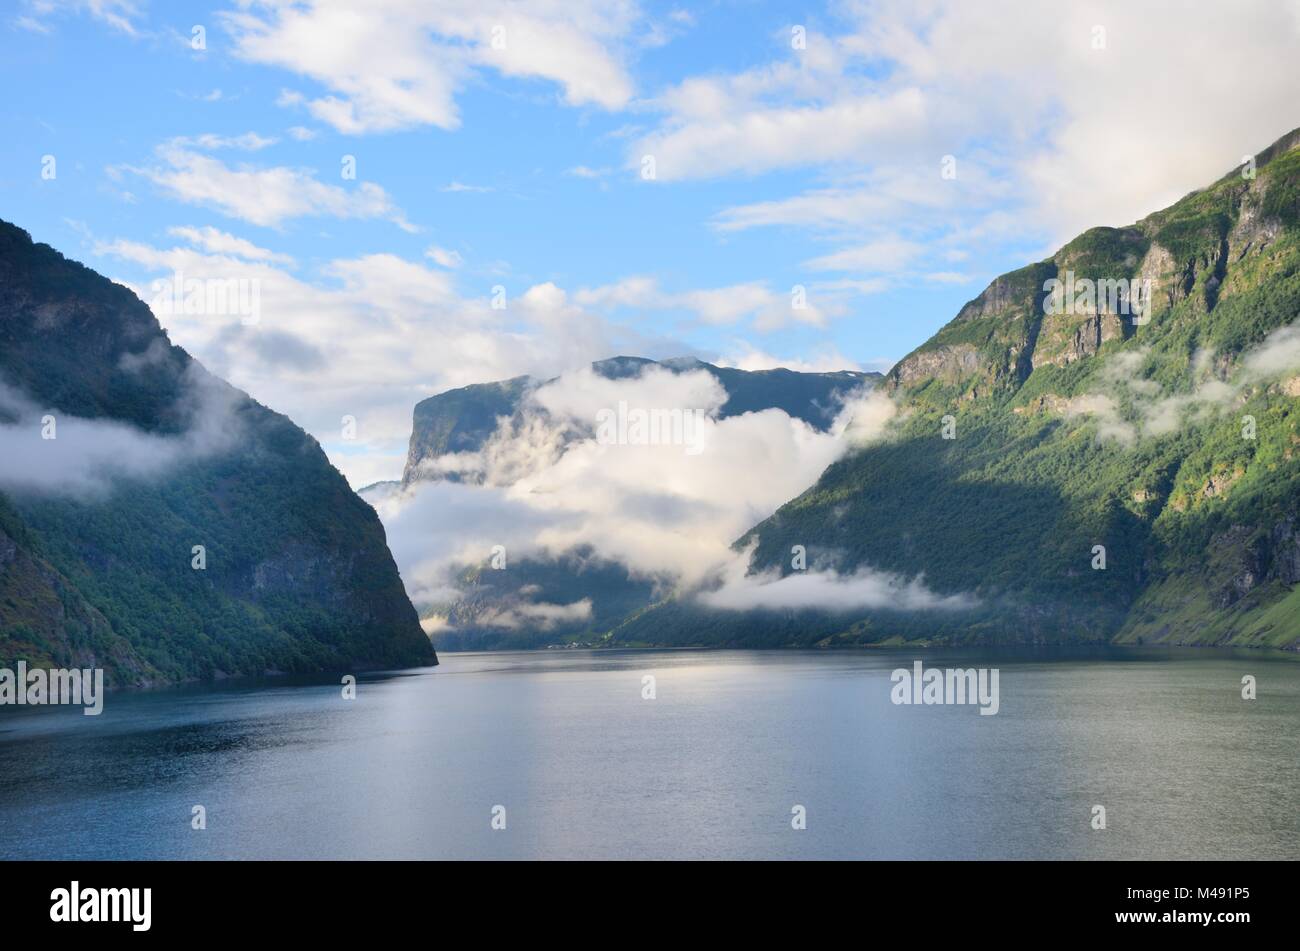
544	485
825	590
1152	413
537	615
45	451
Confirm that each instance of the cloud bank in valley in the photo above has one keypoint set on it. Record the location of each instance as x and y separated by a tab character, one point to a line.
544	485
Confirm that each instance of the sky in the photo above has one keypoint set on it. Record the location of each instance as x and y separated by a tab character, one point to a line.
411	196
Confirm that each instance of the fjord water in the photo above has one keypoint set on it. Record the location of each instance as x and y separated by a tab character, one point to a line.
710	768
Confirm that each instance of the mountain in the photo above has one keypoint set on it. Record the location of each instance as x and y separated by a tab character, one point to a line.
122	456
576	594
462	420
1148	403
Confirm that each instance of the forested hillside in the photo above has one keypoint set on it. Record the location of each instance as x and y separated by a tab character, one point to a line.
124	455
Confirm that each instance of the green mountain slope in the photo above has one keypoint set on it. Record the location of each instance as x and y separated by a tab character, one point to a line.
298	575
1171	440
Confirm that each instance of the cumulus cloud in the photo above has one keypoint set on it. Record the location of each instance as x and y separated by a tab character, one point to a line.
391	64
365	337
1014	91
803	108
1045	86
87	458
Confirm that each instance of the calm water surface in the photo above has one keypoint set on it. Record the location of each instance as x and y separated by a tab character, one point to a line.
711	768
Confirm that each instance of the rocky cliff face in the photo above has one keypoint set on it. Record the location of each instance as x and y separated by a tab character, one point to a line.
459	420
151	456
1175	255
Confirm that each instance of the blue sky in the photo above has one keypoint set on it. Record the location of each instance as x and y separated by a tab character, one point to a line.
521	167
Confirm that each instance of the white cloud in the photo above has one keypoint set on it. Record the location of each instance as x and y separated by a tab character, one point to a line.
864	198
367	337
262	196
724	137
119	14
883	255
393	64
536	615
248	142
443	257
813	590
1047	86
214	241
88	457
442	524
32	24
753	301
1012	89
747	357
1279	353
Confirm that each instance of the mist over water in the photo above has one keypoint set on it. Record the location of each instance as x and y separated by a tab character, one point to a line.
710	768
